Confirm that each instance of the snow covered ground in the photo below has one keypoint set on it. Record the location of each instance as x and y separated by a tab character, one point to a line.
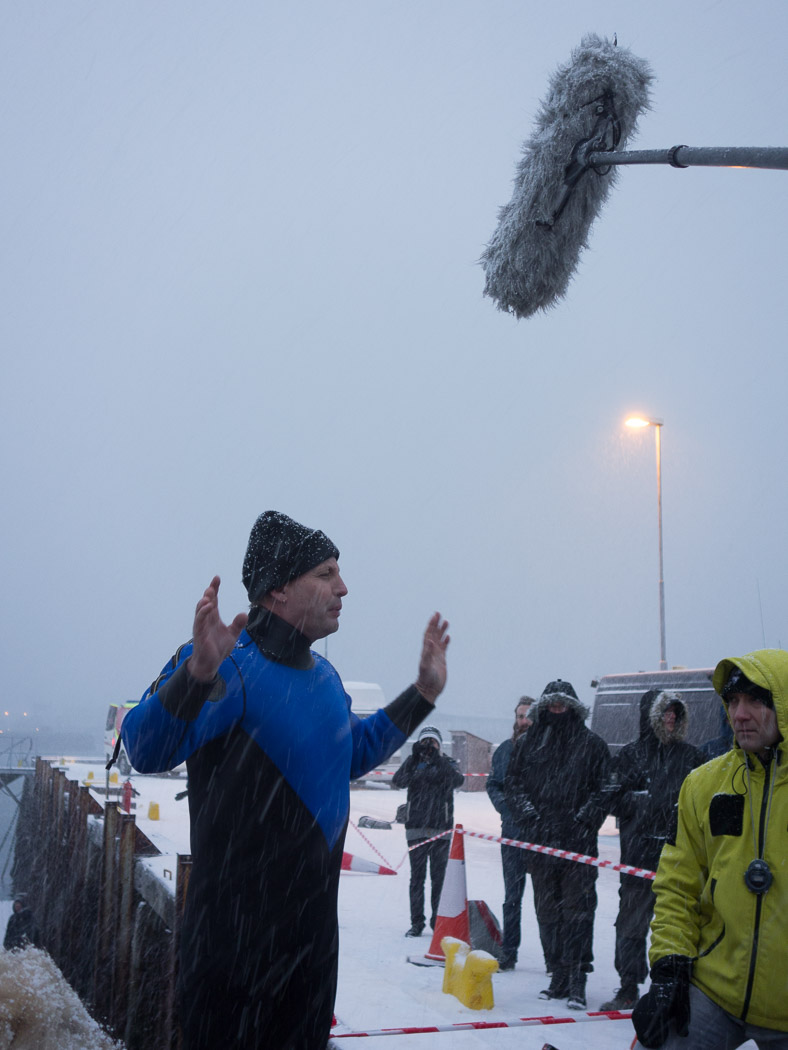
378	987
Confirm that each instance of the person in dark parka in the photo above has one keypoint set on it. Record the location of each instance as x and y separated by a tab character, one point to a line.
513	859
555	768
431	779
642	792
21	929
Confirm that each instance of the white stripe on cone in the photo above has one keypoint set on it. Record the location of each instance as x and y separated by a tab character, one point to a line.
452	918
353	863
453	902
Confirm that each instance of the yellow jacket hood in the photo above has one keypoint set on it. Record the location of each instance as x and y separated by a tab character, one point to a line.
767	668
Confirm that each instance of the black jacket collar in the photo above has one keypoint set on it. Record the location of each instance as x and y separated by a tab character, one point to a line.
278	640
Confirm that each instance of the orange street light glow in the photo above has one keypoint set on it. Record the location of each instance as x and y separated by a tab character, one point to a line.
637	421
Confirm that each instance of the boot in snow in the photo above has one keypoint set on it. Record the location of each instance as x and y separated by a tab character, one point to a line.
577	990
624	999
559	985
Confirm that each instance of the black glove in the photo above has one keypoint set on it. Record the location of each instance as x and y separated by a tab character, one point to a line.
591	815
526	810
666	1001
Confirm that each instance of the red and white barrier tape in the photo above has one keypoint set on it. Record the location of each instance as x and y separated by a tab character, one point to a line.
551	851
374	850
434	838
468	1026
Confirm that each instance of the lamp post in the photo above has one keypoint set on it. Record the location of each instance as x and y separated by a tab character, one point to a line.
638	422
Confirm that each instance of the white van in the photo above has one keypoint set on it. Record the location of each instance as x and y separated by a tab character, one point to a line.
367	698
115	716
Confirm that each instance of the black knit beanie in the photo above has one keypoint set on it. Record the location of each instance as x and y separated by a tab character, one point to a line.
738	682
279	550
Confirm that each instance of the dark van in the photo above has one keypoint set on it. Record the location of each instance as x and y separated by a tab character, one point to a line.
616	714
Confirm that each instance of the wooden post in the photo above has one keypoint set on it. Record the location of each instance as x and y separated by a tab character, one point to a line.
107	911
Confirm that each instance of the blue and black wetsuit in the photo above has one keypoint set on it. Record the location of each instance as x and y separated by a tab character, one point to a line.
270	748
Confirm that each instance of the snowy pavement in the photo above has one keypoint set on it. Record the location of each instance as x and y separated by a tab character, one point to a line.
379	988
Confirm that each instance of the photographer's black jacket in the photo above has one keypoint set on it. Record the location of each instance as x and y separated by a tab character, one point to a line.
431	779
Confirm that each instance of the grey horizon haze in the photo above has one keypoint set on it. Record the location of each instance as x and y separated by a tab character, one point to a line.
240	268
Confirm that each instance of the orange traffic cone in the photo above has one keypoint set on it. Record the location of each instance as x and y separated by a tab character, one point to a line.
452	917
352	863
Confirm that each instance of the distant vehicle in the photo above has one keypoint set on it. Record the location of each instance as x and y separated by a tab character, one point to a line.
616	714
115	716
367	698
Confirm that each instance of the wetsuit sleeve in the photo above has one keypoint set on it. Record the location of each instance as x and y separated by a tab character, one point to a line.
678	887
409	710
377	737
170	721
183	696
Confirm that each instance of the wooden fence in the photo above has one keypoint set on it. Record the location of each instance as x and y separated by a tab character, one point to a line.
111	926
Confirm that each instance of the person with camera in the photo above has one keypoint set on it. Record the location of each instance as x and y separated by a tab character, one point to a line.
431	779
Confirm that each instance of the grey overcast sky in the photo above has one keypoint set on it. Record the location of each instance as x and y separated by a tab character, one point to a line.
239	252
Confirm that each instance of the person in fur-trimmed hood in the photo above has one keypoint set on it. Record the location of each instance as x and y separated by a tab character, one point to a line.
554	769
642	792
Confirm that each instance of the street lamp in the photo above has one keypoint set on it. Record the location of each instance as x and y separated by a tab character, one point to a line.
638	422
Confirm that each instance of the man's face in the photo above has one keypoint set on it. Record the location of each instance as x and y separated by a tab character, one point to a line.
669	719
557	707
521	719
754	724
312	602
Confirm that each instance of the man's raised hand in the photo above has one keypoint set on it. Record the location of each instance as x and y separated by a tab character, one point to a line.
212	639
432	664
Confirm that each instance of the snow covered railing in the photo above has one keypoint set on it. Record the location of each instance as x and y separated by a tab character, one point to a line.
470	1026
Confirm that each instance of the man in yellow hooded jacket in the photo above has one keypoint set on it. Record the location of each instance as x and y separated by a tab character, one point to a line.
719	937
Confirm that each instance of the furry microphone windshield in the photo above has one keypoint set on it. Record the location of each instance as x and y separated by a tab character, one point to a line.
593	105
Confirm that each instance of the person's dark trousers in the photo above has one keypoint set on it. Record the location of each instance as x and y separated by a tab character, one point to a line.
515	864
437	853
565	903
635	908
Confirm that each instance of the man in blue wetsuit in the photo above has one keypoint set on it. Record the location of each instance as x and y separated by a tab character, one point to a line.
270	744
